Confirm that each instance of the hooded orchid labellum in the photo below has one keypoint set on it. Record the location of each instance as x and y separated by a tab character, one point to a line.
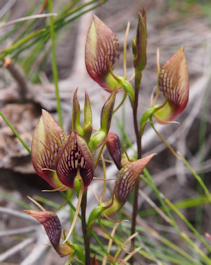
174	84
52	225
75	158
59	158
127	177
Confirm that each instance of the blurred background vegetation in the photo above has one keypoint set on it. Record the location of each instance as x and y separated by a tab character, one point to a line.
171	24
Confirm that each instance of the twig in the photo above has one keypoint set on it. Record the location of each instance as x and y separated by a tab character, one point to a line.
17	214
6	7
16	249
6	24
19	76
43	7
18	231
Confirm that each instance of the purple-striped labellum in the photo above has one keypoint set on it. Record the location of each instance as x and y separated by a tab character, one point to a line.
52	225
75	158
128	176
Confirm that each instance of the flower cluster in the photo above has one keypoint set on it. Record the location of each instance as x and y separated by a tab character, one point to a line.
64	159
59	158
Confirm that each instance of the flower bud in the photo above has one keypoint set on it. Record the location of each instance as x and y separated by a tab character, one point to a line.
174	84
94	261
99	136
76	126
114	147
96	212
140	43
101	45
87	126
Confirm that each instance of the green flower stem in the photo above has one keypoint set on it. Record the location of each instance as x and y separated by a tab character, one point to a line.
201	253
178	250
198	235
121	103
19	24
161	199
54	64
21	42
69	196
99	243
117	242
84	228
161	137
202	142
46	201
147	229
200	181
92	233
15	132
171	206
15	200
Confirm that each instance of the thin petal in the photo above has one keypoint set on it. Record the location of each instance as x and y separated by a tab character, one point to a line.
46	142
75	157
128	176
173	75
99	39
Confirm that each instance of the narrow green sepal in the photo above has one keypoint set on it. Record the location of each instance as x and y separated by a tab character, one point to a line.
128	88
76	115
99	136
96	212
140	43
78	252
146	116
107	111
87	132
87	113
114	207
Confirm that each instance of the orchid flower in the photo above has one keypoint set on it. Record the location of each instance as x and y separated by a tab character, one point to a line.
52	225
174	84
59	158
128	175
